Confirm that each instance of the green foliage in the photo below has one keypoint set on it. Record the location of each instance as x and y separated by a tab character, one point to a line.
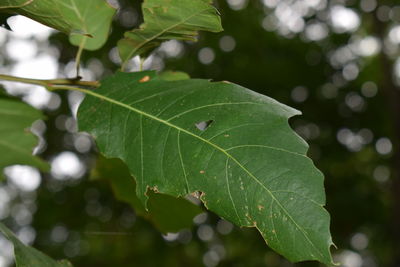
86	21
167	213
168	19
16	141
251	170
229	146
95	18
26	256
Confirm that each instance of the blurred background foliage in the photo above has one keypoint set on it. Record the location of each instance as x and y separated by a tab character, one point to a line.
336	61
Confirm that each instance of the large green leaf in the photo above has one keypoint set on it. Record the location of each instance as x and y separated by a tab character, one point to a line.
87	21
166	20
16	141
167	213
26	256
232	145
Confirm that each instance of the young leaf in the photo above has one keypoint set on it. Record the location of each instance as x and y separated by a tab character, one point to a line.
86	21
26	256
168	19
248	165
167	213
95	18
16	141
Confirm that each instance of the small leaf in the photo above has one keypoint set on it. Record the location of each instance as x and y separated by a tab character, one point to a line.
26	256
86	21
249	166
16	141
168	19
95	20
167	213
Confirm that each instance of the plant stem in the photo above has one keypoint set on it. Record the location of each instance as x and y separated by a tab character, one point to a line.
141	63
79	55
50	83
66	87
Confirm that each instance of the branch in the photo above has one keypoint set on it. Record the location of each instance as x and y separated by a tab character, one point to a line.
50	83
79	55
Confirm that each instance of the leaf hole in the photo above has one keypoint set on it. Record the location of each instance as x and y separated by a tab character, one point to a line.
203	125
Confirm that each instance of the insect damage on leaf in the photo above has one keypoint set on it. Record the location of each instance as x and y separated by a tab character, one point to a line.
203	125
241	163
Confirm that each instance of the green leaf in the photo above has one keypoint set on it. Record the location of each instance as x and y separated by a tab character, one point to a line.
173	75
86	21
26	256
166	213
16	141
168	19
231	144
95	18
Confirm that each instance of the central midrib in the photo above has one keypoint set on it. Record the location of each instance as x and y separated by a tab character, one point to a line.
116	102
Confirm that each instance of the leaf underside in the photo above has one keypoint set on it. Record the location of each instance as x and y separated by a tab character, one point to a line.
16	141
169	19
167	213
249	166
26	256
86	21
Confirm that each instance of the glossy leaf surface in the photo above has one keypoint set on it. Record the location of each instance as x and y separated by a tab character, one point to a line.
246	161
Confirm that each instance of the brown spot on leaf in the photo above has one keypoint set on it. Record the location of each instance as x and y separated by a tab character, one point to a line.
202	172
150	10
154	189
196	194
145	79
260	207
